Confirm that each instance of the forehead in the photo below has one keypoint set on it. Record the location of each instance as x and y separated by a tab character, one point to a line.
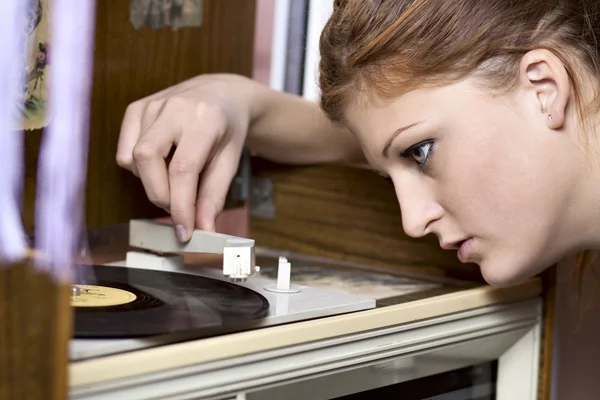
375	118
370	114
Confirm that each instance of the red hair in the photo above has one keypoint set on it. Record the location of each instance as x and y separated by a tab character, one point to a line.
387	47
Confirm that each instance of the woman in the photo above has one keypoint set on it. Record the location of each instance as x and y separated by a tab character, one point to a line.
483	113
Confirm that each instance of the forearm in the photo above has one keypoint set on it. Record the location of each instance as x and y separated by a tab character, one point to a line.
289	129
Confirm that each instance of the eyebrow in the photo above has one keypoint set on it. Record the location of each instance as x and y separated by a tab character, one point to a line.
388	143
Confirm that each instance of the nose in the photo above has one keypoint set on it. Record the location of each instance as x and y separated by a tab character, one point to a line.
418	207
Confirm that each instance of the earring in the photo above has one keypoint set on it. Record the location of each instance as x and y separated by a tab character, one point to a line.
550	117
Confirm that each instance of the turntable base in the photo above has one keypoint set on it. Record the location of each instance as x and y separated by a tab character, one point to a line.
308	304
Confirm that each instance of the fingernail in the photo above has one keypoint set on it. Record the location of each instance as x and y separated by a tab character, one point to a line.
181	233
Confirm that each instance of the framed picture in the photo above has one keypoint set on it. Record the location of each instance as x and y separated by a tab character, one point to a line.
31	109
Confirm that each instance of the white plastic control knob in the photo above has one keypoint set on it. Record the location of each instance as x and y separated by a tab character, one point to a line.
284	272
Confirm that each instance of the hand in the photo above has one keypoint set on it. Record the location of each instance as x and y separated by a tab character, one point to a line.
206	119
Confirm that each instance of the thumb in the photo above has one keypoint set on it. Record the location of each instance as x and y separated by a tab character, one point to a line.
214	187
206	215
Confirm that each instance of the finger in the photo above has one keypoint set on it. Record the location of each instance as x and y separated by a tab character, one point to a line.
150	114
149	157
215	184
129	135
193	150
131	128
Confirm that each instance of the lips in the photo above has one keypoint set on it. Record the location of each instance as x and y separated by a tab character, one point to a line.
452	245
463	246
464	250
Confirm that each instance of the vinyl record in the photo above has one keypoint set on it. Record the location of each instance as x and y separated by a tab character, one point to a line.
131	302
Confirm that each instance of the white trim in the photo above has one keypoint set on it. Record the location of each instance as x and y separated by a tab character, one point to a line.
279	46
518	369
318	13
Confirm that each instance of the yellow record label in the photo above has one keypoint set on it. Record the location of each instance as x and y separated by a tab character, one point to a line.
101	296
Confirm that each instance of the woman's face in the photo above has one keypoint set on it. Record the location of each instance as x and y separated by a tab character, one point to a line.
486	174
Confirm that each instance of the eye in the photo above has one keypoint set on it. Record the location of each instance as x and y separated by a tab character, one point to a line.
420	152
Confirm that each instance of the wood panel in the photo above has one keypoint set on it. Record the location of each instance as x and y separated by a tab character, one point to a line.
349	213
130	64
35	330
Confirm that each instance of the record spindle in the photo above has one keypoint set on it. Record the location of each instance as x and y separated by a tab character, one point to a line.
35	283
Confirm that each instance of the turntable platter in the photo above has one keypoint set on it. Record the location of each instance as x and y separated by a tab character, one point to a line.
129	302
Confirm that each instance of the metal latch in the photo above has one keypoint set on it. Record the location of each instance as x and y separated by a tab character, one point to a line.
261	198
245	188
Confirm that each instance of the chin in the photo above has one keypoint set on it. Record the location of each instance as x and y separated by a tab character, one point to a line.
498	272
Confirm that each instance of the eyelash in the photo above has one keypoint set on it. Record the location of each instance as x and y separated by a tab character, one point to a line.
406	154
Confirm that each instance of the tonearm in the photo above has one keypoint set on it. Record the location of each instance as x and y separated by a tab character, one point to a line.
238	253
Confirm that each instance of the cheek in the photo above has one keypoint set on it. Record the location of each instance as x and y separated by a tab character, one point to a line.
490	176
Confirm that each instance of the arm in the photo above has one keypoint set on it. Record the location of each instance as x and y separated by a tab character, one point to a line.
289	129
208	120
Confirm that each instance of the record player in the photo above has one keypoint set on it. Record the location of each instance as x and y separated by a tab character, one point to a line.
152	297
256	323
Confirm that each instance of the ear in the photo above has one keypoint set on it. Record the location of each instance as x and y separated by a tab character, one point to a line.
544	73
